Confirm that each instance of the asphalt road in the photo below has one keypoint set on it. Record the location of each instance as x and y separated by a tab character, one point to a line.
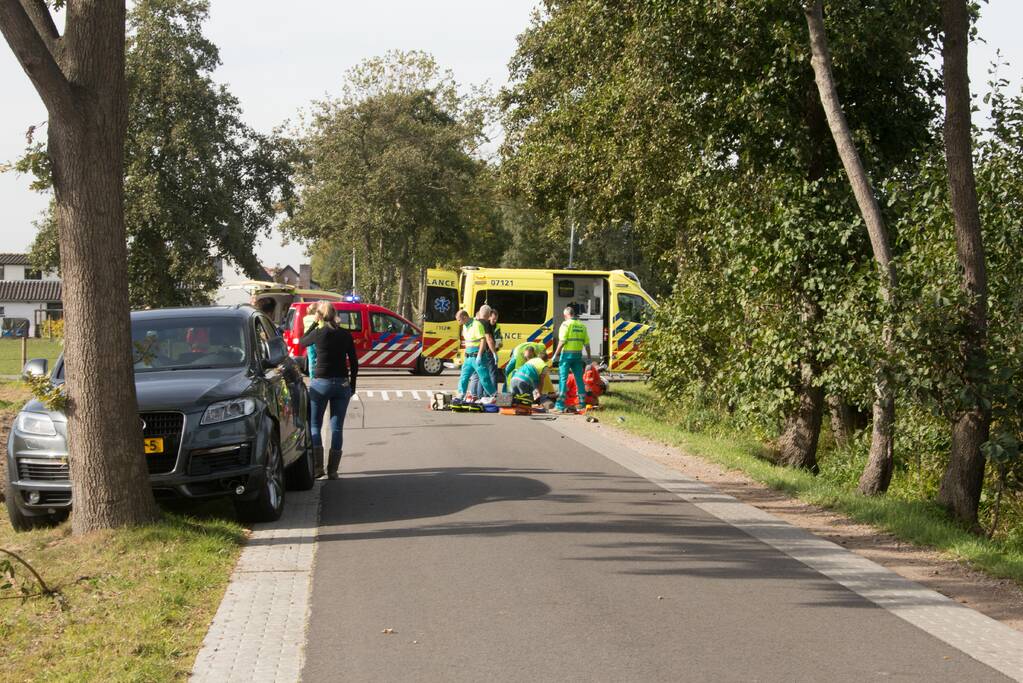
491	548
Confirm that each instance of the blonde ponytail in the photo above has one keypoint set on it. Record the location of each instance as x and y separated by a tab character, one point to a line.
328	313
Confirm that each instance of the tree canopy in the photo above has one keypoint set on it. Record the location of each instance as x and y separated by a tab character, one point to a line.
200	184
391	170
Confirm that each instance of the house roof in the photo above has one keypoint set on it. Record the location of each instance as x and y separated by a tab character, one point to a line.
14	260
29	290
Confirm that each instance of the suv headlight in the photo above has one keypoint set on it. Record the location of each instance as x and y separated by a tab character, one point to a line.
38	424
222	411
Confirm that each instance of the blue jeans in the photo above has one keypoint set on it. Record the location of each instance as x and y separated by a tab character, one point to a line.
571	363
495	378
336	392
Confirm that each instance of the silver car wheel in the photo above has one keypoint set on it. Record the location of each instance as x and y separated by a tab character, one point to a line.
274	475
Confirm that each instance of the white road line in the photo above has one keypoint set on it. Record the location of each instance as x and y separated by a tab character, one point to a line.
979	636
369	394
383	395
415	395
355	397
398	393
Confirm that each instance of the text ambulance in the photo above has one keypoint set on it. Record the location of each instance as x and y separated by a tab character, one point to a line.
612	305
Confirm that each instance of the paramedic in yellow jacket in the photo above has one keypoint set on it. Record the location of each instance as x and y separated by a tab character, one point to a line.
529	376
518	358
572	339
480	352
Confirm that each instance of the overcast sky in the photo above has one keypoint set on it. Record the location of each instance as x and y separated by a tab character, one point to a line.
278	56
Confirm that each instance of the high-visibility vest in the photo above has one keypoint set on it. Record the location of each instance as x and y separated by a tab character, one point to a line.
573	335
531	371
473	332
519	353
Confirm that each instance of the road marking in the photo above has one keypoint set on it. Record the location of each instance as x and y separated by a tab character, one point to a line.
979	636
415	395
383	395
398	393
268	596
355	397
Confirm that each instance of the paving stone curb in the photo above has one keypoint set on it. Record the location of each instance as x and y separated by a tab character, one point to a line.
258	634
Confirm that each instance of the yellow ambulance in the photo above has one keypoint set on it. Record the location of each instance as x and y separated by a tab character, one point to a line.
611	303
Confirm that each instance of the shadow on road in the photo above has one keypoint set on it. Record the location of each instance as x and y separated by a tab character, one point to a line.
601	521
413	494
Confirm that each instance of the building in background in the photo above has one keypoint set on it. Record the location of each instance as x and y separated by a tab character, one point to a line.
27	296
232	288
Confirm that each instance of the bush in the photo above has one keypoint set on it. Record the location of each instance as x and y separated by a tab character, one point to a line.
52	329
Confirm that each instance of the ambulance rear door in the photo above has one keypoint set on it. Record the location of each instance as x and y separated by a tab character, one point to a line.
632	311
440	330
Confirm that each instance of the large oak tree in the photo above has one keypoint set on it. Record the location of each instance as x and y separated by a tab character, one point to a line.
79	75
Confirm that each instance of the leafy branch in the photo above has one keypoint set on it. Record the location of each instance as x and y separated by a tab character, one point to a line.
50	395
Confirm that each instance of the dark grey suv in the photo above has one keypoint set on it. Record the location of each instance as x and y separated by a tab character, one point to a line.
223	412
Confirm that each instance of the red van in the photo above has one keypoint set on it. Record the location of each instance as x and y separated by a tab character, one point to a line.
383	339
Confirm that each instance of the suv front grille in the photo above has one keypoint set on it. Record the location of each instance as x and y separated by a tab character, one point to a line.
42	470
219	459
167	426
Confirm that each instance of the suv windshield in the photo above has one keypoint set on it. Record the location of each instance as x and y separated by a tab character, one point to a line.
178	344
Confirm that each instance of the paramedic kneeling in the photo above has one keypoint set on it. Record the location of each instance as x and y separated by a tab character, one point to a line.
572	339
528	377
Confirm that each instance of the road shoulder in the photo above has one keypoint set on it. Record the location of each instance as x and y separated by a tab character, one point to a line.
970	631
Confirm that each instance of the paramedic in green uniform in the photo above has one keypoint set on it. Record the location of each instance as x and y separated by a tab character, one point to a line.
310	322
528	378
518	358
479	351
572	339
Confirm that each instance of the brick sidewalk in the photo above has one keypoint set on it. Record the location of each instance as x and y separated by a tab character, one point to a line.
258	634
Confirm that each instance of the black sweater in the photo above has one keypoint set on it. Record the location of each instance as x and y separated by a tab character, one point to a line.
333	347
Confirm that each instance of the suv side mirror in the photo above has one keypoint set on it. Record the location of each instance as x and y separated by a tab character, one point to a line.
37	367
276	352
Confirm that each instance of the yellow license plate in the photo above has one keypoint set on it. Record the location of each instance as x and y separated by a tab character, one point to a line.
152	445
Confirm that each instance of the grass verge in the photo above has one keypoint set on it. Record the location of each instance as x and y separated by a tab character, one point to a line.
10	353
916	521
134	603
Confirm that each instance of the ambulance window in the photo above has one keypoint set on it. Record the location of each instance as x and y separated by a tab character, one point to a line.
566	289
441	304
635	309
388	323
516	307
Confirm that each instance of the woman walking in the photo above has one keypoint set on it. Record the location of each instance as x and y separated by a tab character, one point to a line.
333	383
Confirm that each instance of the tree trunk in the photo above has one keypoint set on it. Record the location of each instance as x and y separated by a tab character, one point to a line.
845	420
878	473
964	477
797	445
403	292
80	78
